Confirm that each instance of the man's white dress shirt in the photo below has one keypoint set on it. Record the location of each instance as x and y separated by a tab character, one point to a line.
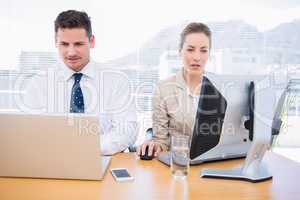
106	92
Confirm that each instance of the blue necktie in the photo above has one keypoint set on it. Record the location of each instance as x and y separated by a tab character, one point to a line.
77	103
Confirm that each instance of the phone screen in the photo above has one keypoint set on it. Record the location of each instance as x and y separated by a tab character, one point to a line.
121	173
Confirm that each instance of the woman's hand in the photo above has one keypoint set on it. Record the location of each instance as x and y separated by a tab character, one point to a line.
153	148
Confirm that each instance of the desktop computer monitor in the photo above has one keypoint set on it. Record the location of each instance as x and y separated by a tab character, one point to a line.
231	135
263	100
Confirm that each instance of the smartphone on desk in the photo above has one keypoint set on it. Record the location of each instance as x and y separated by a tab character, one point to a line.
121	174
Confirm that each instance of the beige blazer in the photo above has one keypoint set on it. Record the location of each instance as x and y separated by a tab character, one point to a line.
174	110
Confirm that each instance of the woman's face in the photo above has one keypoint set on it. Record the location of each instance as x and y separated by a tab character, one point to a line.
195	52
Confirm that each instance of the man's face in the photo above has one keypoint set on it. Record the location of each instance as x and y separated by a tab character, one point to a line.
74	47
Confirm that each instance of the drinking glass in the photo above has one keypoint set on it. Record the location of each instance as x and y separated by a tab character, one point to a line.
180	156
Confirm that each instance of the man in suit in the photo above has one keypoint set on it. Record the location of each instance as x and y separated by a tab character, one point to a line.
76	84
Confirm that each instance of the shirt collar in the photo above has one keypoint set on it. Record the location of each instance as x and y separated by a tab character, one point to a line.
181	82
88	71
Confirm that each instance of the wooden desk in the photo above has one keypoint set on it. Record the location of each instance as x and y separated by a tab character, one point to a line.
153	181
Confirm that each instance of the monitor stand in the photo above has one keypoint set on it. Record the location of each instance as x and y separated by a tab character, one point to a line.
253	169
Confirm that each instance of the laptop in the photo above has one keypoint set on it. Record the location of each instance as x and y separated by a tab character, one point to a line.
51	146
222	134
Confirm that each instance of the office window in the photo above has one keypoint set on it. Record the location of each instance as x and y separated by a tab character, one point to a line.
141	39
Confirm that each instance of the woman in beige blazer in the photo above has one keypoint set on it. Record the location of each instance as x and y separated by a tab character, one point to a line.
175	100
